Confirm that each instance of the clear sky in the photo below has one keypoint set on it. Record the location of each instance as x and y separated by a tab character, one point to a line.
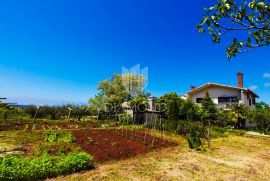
52	52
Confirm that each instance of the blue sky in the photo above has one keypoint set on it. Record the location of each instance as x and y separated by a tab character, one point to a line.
53	52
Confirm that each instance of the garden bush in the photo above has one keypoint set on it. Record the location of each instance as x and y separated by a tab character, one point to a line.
185	127
125	119
194	139
41	168
53	136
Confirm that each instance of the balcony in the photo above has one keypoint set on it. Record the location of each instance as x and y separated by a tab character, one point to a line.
227	105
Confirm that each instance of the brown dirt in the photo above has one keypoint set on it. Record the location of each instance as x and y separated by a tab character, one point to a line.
108	145
42	126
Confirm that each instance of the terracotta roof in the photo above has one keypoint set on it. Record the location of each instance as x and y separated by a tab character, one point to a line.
210	84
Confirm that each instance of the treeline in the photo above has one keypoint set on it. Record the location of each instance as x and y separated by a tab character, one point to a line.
126	89
10	114
58	112
179	110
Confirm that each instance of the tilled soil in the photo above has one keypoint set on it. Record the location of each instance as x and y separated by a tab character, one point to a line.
107	144
45	126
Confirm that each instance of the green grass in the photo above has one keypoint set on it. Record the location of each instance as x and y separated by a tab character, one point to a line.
219	132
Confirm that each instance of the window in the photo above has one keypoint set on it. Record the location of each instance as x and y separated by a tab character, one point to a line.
228	100
249	102
234	99
253	100
199	100
222	99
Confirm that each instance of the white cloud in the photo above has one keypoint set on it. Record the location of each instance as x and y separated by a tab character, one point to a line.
253	87
267	85
266	75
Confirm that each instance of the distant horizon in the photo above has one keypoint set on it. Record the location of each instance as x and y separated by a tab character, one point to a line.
40	101
55	52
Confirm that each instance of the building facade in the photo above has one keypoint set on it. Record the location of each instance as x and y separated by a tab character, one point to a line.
224	96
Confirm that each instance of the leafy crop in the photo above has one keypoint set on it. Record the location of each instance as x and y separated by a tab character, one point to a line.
41	168
53	136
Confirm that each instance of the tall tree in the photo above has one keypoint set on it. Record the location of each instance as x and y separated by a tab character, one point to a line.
188	110
239	114
262	105
252	17
97	104
209	108
262	118
139	103
209	113
170	103
134	83
114	93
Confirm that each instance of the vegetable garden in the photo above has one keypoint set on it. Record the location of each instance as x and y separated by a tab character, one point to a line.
45	150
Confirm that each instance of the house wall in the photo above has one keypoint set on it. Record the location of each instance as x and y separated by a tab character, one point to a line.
216	92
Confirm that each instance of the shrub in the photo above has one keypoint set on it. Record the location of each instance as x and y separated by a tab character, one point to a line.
41	168
194	139
126	119
53	136
185	127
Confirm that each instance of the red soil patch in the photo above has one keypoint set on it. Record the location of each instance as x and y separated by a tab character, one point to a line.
107	145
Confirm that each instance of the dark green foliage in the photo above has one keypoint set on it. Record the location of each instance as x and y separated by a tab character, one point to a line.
41	168
185	127
188	110
262	106
261	118
170	125
53	136
114	93
9	114
170	103
209	108
125	119
239	114
223	118
194	139
251	17
138	104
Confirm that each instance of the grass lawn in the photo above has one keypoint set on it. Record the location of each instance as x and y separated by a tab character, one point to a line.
231	158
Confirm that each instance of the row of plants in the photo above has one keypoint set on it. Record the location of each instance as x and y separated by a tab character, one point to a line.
43	167
56	136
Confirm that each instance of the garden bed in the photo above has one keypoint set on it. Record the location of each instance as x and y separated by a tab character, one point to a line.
108	144
46	126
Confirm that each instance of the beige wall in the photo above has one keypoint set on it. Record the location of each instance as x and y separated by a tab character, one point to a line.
216	92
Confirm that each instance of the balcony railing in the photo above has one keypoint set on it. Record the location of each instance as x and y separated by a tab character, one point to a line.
227	105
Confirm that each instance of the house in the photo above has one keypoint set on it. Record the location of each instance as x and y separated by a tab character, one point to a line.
150	106
225	96
144	116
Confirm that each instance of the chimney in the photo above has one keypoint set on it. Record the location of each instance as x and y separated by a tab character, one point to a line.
240	79
152	103
192	87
